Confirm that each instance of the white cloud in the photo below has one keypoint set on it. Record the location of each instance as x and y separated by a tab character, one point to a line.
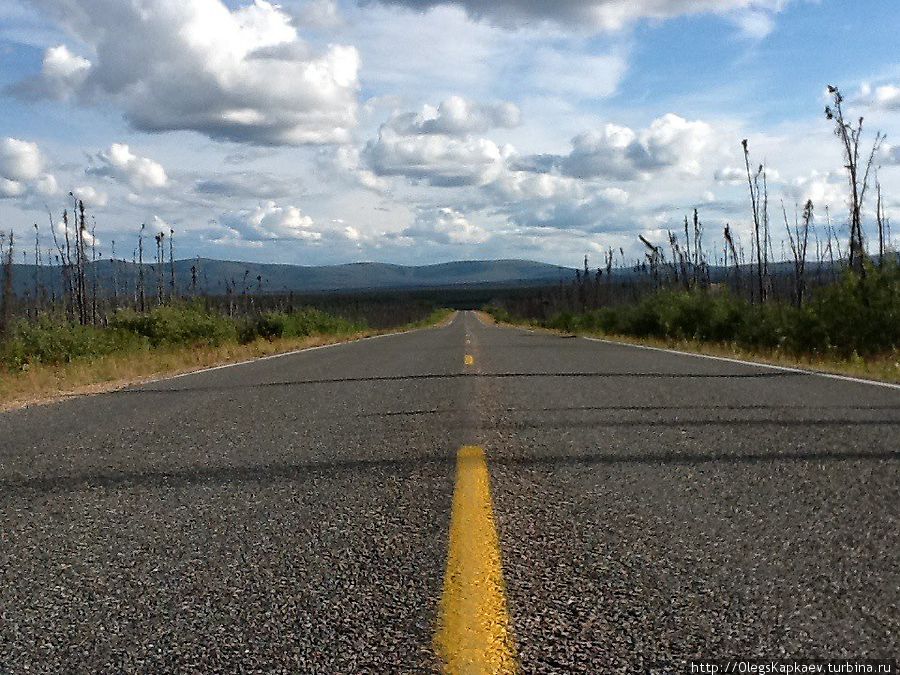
21	169
754	24
20	161
346	162
10	188
457	116
243	75
731	175
525	185
576	75
120	163
158	225
618	152
62	73
824	189
270	221
91	196
445	226
436	159
890	154
598	209
46	184
593	15
246	184
320	14
884	97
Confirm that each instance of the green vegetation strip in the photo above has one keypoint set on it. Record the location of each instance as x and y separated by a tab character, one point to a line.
43	360
851	327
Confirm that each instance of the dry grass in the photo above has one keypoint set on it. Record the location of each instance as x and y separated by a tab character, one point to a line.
45	384
486	318
883	368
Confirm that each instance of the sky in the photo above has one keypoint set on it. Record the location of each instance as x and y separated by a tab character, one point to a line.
423	131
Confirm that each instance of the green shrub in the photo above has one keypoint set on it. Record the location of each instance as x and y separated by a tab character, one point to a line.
301	323
54	342
174	326
859	315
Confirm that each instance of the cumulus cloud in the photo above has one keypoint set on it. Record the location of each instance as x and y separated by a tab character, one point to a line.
243	75
320	14
346	162
120	163
884	97
10	188
91	196
273	222
618	152
445	226
62	73
890	154
20	161
597	209
521	186
731	175
823	188
597	15
457	116
436	159
21	169
246	184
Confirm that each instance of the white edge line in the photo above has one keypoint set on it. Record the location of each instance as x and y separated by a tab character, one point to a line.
804	371
278	356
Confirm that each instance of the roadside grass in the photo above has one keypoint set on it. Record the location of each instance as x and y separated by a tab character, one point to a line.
884	367
108	369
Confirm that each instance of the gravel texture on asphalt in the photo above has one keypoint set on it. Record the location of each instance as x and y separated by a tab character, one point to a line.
671	507
235	520
291	515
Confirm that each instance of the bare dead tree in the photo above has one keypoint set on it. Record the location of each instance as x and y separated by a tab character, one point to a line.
729	243
159	267
655	257
94	271
80	259
67	262
141	293
172	291
63	263
115	276
82	264
6	258
879	219
799	239
760	212
700	267
850	136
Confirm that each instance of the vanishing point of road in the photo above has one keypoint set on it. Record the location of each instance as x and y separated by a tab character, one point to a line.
475	498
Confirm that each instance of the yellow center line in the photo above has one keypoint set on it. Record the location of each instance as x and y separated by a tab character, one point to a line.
474	634
470	360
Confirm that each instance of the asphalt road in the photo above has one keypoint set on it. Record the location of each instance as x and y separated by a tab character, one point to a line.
292	515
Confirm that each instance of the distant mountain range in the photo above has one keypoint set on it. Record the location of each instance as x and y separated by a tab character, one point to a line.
213	276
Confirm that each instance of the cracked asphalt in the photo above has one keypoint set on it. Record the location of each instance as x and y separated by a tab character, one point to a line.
292	515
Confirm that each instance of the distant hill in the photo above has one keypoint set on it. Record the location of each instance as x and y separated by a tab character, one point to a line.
214	275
